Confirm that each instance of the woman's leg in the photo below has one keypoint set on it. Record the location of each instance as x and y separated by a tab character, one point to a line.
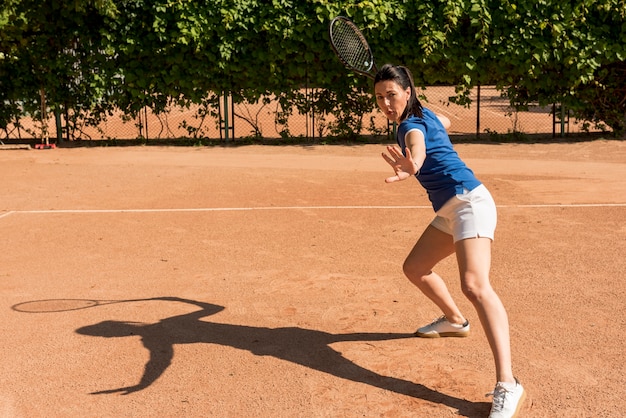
474	259
432	247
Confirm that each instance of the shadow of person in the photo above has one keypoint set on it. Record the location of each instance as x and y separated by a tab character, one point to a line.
306	347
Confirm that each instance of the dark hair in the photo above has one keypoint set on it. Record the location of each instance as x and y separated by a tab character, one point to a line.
404	78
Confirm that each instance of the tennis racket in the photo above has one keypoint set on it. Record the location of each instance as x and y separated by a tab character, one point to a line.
351	47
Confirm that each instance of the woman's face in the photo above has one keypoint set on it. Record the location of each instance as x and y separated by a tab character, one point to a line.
392	99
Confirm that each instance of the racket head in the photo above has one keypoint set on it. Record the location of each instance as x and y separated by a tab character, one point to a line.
62	305
54	305
351	47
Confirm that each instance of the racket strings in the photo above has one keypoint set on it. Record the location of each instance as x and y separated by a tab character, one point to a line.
351	47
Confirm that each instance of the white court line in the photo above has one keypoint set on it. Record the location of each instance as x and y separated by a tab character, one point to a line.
6	214
267	208
571	205
239	209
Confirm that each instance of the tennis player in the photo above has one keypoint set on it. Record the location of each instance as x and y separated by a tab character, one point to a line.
464	224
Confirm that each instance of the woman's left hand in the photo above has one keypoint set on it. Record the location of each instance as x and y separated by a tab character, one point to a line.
404	167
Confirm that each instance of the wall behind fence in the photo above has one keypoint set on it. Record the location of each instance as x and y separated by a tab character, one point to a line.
489	114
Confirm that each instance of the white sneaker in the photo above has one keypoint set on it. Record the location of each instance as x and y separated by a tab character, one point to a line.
507	400
441	327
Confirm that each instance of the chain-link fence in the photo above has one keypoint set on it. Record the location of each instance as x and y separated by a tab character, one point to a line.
489	114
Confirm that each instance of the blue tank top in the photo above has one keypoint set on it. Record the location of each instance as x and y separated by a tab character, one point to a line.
443	173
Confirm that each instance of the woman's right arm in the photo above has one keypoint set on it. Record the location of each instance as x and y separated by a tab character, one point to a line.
416	143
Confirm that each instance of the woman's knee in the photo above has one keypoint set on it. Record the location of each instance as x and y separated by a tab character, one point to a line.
476	288
415	272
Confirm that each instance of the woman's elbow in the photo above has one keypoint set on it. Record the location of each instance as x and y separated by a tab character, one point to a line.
445	121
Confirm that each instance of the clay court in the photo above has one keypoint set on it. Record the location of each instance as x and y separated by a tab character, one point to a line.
266	281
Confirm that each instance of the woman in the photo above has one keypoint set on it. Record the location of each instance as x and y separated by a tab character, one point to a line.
464	224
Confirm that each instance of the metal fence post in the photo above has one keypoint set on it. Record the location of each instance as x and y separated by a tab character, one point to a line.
478	111
226	127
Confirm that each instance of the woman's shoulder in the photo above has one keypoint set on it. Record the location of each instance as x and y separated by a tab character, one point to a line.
428	114
424	121
413	120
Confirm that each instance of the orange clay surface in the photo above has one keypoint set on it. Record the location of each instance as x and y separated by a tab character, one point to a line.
266	281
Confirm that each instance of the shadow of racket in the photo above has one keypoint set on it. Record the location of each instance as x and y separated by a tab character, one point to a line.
65	305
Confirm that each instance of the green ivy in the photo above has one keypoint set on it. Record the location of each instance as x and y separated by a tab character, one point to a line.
92	57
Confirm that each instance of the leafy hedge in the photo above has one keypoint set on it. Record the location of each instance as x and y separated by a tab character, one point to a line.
92	57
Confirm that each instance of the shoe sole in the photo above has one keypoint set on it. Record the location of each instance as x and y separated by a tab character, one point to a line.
442	334
519	404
